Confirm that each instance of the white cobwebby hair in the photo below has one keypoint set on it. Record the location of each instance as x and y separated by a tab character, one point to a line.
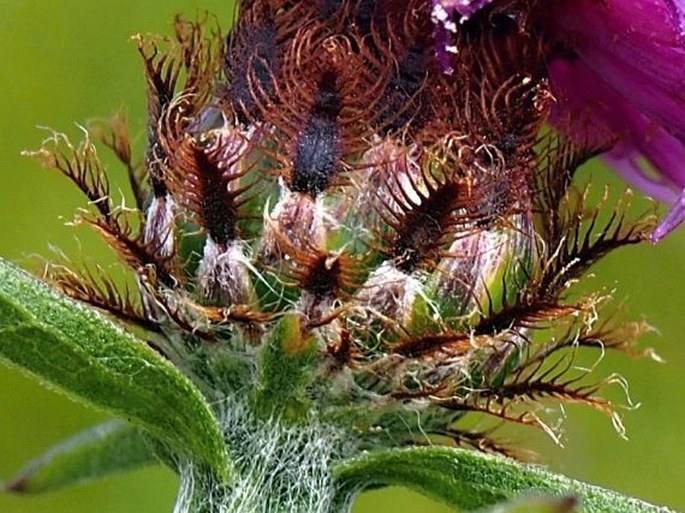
280	468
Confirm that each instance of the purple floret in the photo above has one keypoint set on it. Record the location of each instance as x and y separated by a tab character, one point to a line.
636	49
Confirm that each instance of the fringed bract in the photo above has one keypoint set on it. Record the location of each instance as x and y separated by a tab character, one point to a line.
423	229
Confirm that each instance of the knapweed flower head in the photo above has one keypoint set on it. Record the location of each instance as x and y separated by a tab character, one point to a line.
347	249
617	77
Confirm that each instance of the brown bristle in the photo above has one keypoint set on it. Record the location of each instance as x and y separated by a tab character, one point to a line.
502	185
323	276
161	73
328	8
583	243
425	212
205	174
317	150
481	442
82	166
255	49
507	95
331	275
114	134
363	13
252	55
422	228
144	258
404	41
234	313
191	51
326	94
456	344
321	273
559	158
99	290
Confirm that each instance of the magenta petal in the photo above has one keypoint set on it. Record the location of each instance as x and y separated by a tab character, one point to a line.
632	170
591	111
672	220
581	109
641	137
638	47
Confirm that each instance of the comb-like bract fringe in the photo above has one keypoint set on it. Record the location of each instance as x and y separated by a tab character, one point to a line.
318	197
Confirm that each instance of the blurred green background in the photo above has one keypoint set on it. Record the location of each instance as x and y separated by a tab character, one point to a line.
65	62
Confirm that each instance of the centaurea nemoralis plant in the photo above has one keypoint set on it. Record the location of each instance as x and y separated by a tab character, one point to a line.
342	254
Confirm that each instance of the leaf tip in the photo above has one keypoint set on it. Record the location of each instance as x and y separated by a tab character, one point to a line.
18	484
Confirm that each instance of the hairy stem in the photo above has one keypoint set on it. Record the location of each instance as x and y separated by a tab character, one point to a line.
282	468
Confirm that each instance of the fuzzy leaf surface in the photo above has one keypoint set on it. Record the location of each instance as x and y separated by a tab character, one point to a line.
83	354
468	480
100	451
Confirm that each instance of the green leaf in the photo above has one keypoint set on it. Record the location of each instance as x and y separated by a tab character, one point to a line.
91	359
469	480
286	365
100	451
